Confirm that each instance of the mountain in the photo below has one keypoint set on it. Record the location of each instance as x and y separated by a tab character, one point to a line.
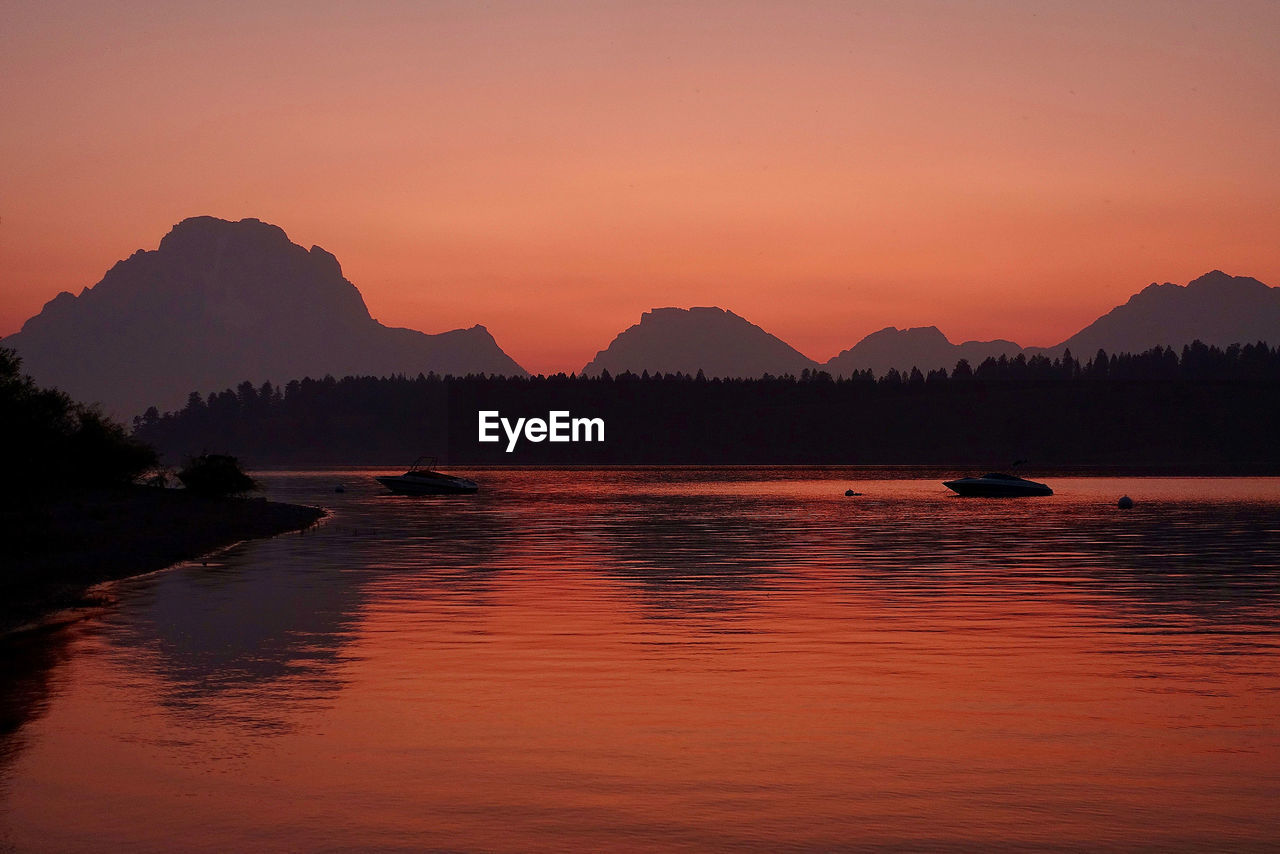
686	340
1215	308
923	347
218	303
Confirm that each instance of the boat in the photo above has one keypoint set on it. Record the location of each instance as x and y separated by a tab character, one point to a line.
996	485
422	479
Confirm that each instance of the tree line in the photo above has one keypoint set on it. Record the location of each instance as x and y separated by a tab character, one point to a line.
1201	406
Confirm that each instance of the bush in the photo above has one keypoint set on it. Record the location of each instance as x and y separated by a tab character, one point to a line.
54	441
103	454
215	475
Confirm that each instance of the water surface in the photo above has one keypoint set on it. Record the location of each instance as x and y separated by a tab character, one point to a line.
676	659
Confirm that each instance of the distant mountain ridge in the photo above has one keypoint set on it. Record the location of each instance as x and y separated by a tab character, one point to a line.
688	340
1216	309
221	302
923	347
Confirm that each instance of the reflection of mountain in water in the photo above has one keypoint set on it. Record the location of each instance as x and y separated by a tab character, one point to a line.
681	552
254	616
29	662
691	540
687	553
281	612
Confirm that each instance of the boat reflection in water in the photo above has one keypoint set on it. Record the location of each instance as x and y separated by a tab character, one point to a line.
421	479
996	485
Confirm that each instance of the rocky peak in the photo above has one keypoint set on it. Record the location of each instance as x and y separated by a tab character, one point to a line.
219	302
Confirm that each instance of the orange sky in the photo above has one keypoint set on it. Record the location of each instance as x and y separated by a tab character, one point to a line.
551	170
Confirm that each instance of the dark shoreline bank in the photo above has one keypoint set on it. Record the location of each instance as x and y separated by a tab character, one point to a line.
54	546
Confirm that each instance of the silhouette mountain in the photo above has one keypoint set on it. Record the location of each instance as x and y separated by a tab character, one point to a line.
221	302
1216	308
923	347
686	340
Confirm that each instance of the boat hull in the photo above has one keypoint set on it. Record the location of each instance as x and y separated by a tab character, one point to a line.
980	487
404	485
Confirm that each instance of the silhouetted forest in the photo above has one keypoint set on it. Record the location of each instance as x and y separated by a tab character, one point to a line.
1201	408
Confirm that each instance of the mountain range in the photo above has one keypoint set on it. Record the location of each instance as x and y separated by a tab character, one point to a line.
222	302
1215	309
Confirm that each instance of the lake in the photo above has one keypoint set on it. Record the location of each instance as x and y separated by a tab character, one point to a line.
675	659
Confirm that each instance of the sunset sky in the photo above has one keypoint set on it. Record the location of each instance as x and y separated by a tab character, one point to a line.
553	169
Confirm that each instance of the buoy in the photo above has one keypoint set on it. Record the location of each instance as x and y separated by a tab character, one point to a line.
339	488
849	493
1125	502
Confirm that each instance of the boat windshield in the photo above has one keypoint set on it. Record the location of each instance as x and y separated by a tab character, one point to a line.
422	465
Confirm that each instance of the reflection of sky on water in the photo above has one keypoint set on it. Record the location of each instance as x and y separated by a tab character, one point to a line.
690	540
562	587
686	541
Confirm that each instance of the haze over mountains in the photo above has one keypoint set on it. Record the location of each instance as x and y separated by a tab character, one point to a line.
221	302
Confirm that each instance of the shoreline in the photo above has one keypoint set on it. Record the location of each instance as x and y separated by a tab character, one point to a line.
56	546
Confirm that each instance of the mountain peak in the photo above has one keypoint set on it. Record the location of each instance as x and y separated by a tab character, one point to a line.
220	302
1216	308
671	314
923	347
918	334
1218	279
703	338
206	230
